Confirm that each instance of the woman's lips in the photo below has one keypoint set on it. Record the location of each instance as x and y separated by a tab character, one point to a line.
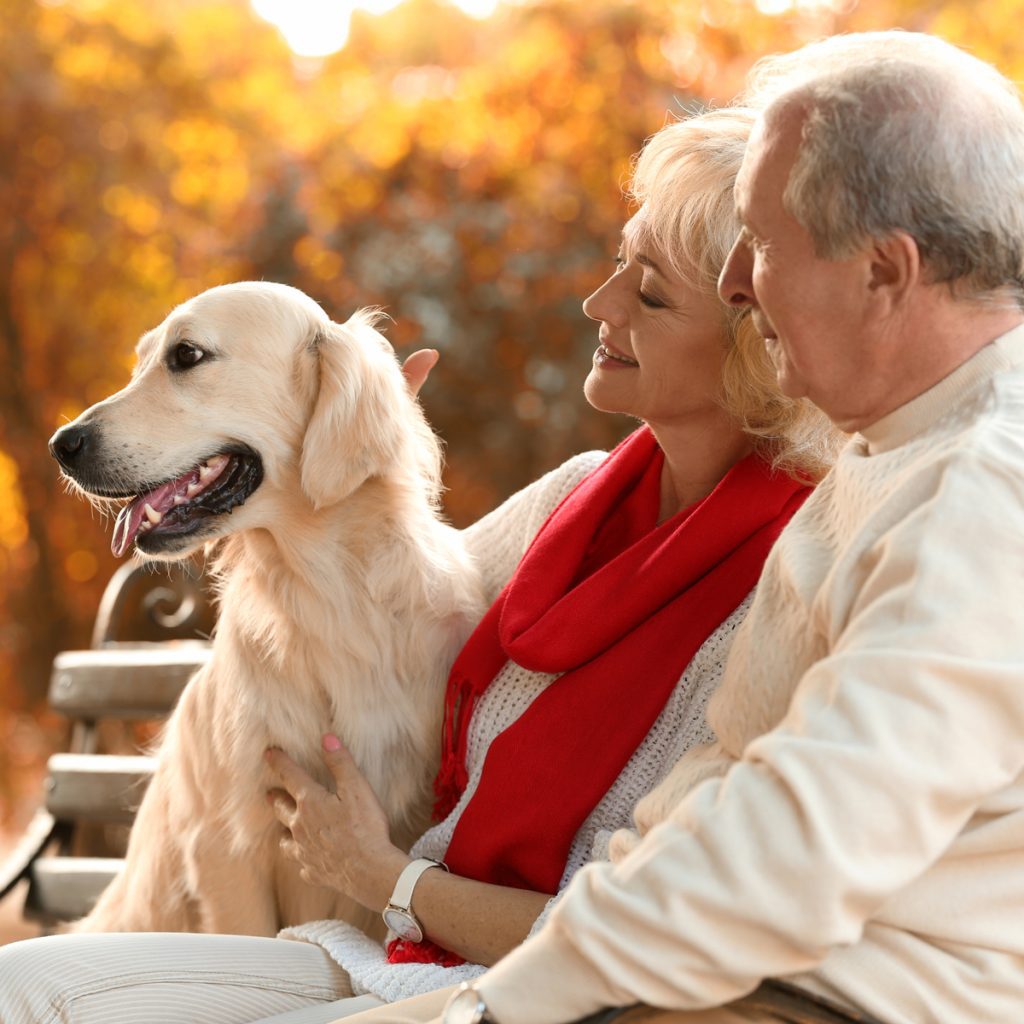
608	358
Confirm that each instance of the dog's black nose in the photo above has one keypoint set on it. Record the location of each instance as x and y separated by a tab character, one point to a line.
70	444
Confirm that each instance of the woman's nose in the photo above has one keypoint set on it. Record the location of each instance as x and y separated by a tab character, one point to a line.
605	304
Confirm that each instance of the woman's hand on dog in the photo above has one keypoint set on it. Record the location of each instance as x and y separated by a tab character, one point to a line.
340	839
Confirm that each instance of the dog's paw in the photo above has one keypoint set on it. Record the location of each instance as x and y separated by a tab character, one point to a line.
624	841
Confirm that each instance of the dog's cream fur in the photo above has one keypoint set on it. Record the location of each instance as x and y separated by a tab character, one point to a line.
343	599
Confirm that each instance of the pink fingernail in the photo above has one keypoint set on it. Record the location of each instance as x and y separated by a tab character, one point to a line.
331	742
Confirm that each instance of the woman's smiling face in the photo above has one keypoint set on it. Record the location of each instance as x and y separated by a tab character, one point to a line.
662	340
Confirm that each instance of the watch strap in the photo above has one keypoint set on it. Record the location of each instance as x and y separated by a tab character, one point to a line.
401	897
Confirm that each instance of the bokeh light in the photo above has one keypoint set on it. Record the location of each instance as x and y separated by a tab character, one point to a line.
317	28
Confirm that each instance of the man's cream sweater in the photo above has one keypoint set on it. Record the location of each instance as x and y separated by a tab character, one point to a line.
863	829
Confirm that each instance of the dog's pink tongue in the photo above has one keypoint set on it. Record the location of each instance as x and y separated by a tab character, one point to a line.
130	518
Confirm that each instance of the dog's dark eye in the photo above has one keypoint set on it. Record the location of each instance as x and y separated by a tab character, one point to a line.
185	355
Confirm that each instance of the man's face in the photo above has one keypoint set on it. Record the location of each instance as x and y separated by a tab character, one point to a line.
810	311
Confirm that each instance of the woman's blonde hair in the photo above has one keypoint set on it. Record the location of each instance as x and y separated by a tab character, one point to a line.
682	184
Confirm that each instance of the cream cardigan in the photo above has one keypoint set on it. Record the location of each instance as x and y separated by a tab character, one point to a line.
863	831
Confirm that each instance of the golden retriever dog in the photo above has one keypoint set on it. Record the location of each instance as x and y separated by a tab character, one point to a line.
289	447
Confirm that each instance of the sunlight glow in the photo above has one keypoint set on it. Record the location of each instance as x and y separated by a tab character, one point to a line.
477	8
316	28
775	8
310	28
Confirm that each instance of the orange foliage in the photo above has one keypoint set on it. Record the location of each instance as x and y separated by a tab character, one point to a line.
463	174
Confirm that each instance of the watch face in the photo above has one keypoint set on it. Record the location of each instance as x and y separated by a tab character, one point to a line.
404	925
465	1007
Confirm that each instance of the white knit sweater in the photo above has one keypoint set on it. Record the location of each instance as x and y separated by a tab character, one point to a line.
497	543
864	831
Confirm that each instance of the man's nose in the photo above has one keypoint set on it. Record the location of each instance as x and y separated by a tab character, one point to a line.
735	285
71	445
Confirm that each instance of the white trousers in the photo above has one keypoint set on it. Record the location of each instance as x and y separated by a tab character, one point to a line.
172	979
145	978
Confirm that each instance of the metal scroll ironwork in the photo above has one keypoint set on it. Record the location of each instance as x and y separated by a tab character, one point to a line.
169	598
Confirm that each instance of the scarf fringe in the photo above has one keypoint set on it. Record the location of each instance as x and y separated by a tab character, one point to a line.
451	779
404	951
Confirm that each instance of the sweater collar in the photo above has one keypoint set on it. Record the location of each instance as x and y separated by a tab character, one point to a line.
917	415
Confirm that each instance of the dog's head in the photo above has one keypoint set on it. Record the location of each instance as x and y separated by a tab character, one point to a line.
246	403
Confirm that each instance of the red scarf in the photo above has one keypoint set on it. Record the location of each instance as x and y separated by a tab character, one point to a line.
619	605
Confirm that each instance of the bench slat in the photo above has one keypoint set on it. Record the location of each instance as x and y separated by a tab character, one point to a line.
96	787
65	888
131	682
40	832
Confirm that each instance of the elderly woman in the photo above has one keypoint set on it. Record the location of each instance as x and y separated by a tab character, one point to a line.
617	582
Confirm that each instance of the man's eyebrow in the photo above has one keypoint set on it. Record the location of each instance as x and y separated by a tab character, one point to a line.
742	214
739	194
747	229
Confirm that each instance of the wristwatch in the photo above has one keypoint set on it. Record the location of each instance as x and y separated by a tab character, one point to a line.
466	1006
398	915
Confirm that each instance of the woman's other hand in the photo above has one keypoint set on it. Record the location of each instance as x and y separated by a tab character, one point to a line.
340	839
417	368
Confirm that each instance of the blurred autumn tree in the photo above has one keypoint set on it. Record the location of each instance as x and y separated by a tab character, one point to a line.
463	174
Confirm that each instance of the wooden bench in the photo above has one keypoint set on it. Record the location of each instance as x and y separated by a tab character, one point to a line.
144	650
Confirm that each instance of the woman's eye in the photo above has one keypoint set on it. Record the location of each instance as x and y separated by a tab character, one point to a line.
185	355
650	301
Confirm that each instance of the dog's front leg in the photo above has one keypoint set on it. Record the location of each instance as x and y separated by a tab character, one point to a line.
149	895
235	890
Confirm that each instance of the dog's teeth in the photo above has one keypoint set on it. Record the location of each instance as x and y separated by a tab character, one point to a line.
193	489
179	499
152	515
212	466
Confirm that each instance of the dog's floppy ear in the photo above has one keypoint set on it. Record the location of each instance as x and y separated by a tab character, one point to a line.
355	430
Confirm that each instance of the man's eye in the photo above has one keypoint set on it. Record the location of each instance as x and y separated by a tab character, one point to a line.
185	355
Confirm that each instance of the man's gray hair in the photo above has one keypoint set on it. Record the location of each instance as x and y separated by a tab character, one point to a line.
905	132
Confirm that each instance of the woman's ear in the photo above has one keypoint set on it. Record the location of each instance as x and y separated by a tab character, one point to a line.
355	430
895	269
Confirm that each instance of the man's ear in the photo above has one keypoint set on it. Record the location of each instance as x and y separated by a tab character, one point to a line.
355	430
895	269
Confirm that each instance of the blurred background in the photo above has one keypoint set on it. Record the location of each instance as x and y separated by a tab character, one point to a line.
458	162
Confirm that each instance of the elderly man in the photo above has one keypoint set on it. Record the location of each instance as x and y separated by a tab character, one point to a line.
859	828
